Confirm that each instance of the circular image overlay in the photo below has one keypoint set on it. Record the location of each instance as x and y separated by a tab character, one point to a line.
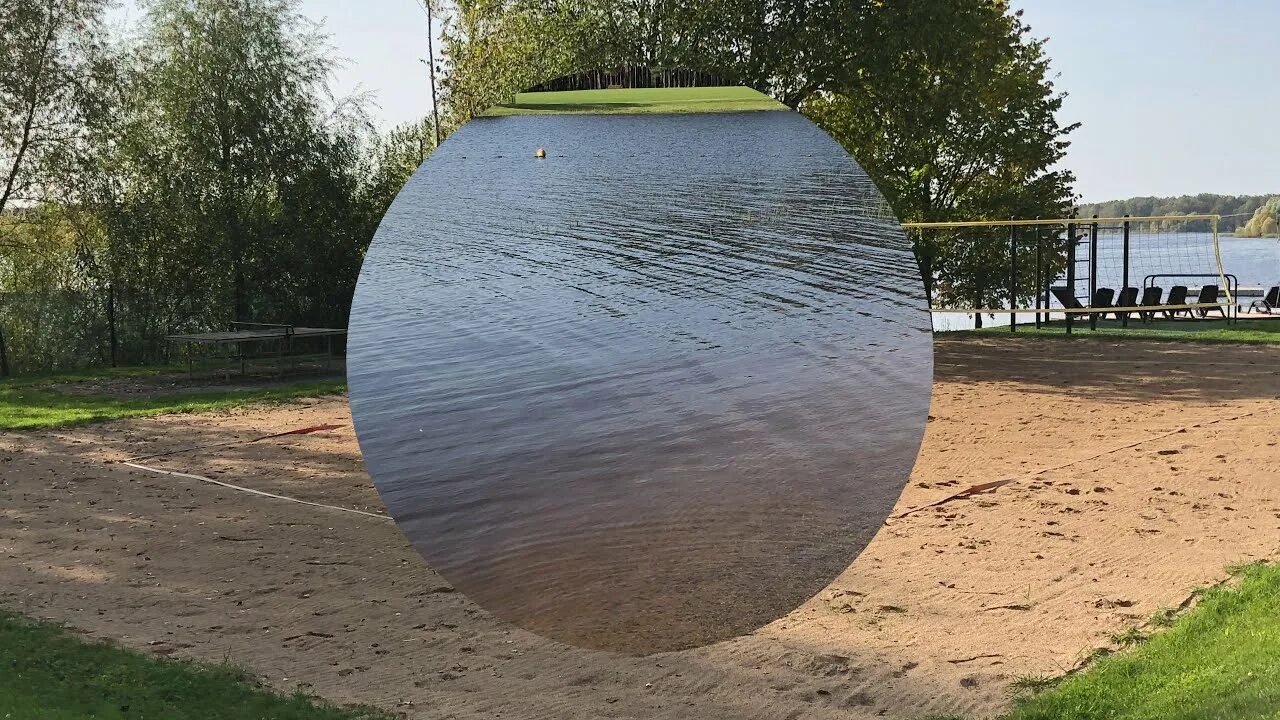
652	387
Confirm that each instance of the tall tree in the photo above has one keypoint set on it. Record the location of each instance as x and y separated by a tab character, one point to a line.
234	88
233	166
949	106
48	55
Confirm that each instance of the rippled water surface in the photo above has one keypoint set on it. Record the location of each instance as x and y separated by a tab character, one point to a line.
651	392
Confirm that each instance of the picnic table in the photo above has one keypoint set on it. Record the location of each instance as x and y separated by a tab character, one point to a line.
247	340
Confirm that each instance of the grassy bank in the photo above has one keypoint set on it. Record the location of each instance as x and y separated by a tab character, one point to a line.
47	673
1220	660
1252	332
34	403
639	101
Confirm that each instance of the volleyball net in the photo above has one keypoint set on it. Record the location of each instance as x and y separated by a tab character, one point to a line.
1141	268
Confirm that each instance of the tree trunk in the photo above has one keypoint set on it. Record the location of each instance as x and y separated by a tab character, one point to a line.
925	263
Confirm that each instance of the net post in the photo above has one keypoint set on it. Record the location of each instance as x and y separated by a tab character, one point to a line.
1071	269
1013	277
1124	317
1039	272
1093	271
1232	302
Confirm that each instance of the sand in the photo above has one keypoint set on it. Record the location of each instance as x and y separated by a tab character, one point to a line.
1139	472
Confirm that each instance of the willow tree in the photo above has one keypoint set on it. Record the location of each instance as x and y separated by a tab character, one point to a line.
230	184
49	74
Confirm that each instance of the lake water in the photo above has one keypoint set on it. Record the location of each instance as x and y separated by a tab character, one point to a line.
651	392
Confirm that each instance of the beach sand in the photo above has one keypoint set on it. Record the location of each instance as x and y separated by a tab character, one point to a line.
1139	472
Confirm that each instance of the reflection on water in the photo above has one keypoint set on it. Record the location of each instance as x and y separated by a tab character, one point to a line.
652	392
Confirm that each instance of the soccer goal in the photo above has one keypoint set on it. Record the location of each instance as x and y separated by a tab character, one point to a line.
1078	270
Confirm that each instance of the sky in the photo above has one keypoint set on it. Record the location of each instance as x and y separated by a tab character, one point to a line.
1174	96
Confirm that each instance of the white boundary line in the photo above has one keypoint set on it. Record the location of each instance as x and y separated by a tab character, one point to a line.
251	491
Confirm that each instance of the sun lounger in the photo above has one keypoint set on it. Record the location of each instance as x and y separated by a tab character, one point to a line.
1209	294
1151	299
1066	297
1102	298
1128	298
1269	302
1177	296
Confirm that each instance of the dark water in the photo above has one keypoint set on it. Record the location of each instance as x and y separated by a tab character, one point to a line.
652	392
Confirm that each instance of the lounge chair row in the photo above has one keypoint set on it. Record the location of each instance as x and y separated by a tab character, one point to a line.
1105	298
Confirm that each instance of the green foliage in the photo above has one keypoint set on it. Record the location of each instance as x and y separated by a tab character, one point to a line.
49	85
498	49
47	308
949	107
392	159
227	169
1218	661
213	179
49	674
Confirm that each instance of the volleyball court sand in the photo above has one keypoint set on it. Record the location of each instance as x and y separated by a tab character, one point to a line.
1140	470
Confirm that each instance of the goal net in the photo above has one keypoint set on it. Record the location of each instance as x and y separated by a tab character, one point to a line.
1078	269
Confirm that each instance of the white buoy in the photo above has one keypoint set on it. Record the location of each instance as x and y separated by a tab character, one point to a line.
540	154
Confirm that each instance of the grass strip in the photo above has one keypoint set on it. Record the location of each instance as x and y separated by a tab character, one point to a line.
639	101
48	673
1220	660
30	406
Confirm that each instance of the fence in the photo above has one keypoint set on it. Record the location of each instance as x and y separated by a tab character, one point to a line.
634	76
106	327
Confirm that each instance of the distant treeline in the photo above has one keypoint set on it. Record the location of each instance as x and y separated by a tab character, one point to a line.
634	76
1236	210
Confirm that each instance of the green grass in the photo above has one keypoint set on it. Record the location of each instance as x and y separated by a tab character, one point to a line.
47	673
85	375
639	101
29	404
1221	660
1251	332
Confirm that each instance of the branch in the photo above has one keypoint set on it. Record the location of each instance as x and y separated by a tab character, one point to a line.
33	104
